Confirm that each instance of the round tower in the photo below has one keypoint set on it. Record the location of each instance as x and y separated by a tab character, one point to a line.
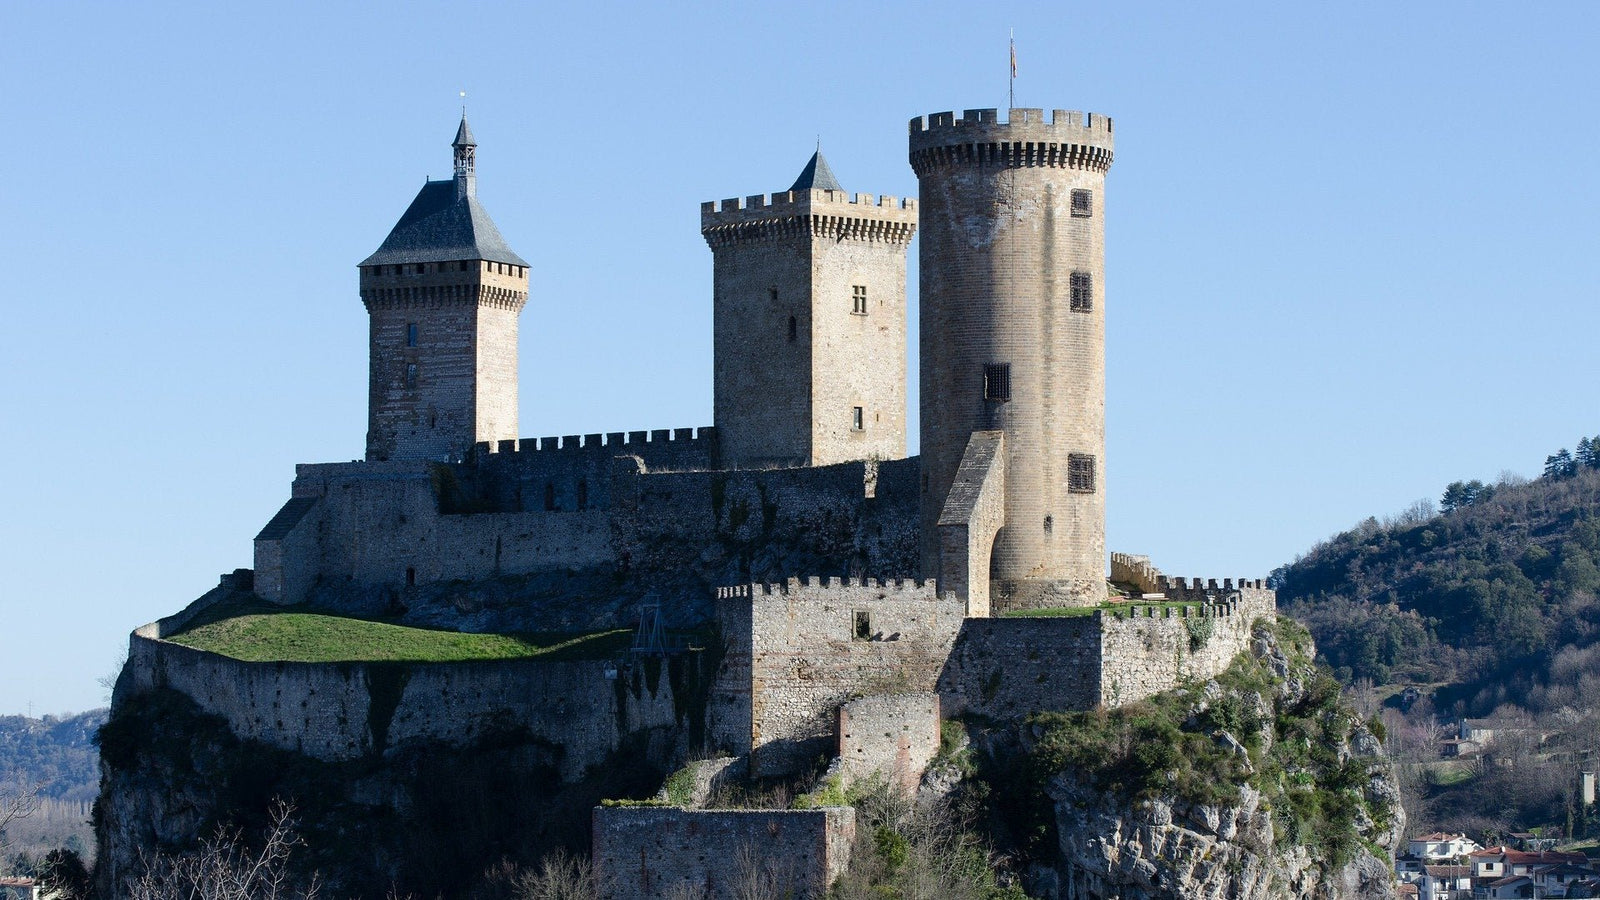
1012	335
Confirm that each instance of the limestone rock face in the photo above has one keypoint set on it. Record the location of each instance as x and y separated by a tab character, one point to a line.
1113	846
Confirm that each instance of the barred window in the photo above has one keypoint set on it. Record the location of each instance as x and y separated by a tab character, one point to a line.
1082	204
858	299
1082	291
1080	473
997	382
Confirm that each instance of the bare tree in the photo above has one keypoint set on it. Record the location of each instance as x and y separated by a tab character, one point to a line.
16	803
223	868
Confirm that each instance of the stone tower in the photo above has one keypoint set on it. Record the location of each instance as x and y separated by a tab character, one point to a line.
810	323
1013	337
443	294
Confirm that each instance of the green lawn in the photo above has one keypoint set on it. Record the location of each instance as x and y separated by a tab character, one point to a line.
320	638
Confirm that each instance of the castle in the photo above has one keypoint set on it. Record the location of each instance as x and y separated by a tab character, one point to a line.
858	595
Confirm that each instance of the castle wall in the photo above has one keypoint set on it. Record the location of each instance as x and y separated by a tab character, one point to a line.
381	526
574	472
892	735
815	645
1000	245
1159	647
644	853
350	710
1008	668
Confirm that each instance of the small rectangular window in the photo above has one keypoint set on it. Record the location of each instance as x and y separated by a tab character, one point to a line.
583	494
422	268
463	265
1082	204
858	299
863	625
1082	292
856	418
772	293
411	376
997	382
1080	473
549	496
794	329
411	334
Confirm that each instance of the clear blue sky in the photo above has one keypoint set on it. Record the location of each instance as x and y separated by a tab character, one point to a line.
1350	248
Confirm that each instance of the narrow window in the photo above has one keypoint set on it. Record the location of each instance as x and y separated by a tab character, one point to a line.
411	376
858	299
997	382
463	265
1082	291
863	625
411	577
1080	473
421	268
1049	524
856	418
794	329
549	495
411	334
773	294
583	494
1082	204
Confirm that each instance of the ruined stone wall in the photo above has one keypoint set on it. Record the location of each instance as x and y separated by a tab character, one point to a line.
341	711
894	736
645	853
815	645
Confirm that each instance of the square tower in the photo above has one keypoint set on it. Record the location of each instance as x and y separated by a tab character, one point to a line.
443	295
810	323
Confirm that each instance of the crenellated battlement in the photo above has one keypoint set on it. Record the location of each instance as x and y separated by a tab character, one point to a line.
1069	139
900	588
815	213
617	442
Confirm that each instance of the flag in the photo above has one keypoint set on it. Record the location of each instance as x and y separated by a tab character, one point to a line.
1013	57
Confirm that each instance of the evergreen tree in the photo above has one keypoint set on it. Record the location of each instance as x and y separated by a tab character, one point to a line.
1588	455
1559	465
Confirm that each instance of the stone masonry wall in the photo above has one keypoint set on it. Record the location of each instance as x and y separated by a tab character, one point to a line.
1158	647
1009	668
659	853
814	645
349	710
892	735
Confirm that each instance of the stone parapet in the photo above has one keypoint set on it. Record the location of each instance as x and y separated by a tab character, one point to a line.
1070	139
838	215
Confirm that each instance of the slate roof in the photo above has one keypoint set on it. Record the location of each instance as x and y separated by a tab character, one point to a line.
440	227
817	176
463	135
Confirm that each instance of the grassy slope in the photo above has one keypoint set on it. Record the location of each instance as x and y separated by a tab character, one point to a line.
258	636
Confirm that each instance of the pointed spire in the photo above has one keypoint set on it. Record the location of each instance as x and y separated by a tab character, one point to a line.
817	175
466	151
464	134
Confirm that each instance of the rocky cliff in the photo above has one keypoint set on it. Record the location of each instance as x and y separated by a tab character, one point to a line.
1257	784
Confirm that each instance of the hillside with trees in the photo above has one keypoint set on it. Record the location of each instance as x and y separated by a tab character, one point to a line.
1487	606
52	768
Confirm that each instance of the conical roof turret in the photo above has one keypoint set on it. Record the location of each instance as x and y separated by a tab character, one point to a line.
817	176
464	134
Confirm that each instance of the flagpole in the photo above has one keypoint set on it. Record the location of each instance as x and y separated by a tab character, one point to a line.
1011	89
